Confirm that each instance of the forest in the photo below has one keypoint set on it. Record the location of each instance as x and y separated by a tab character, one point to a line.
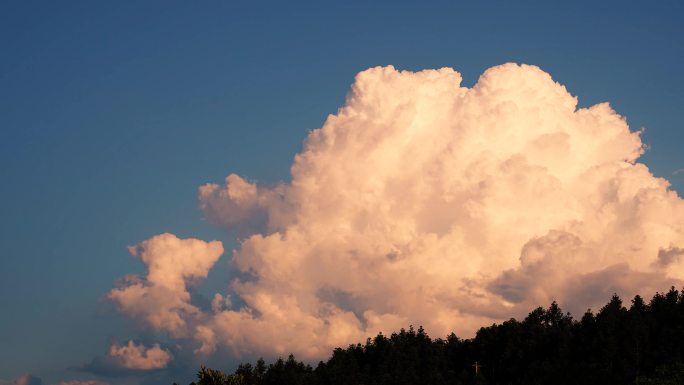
639	344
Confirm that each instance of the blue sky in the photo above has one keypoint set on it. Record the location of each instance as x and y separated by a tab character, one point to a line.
112	114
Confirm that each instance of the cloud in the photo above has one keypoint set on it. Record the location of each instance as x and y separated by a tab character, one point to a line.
161	299
132	356
669	255
130	359
24	379
243	205
424	202
82	382
28	379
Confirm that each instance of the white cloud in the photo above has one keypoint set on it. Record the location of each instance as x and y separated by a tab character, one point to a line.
429	203
132	356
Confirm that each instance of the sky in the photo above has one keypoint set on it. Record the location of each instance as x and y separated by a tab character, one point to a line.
113	115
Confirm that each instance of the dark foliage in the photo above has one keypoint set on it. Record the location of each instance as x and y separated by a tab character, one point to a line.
640	345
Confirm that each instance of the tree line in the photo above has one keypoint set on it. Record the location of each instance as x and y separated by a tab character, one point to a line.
642	344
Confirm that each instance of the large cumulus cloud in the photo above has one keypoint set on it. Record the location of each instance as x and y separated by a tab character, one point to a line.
421	201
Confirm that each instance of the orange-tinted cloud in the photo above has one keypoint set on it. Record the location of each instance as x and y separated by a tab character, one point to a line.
24	379
161	298
28	379
421	201
139	357
82	382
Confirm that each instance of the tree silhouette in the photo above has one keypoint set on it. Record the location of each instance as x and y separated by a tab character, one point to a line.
640	345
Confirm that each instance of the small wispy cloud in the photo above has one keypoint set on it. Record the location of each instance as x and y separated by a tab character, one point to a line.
127	359
132	356
24	379
82	382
